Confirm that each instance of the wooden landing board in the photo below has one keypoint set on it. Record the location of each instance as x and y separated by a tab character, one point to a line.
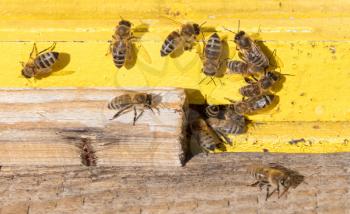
216	183
72	126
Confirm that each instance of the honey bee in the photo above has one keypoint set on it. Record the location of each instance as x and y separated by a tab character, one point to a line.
134	101
211	56
207	139
251	52
239	67
260	86
254	58
40	63
121	45
276	176
252	104
232	126
184	38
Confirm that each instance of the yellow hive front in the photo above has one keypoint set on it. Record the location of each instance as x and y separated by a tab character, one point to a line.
311	40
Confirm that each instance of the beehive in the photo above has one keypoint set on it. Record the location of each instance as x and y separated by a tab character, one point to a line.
310	41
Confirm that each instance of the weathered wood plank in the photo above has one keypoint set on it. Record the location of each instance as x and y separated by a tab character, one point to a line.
56	126
214	183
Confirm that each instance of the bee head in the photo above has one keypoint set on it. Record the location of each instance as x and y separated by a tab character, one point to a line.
125	23
272	75
209	69
242	40
197	29
27	72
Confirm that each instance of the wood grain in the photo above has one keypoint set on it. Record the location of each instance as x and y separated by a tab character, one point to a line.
68	126
214	183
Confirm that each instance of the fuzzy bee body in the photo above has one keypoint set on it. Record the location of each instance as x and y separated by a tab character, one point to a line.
276	176
253	104
171	43
40	64
121	44
207	139
226	127
212	54
119	53
133	101
251	53
183	39
260	86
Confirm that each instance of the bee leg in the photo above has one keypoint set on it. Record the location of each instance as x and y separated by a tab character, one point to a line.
212	79
135	116
135	119
109	50
120	112
284	191
223	135
202	80
267	192
254	184
232	101
49	48
34	52
269	195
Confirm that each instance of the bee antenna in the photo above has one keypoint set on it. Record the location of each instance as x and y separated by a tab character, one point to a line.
228	30
239	25
286	74
171	19
202	24
202	80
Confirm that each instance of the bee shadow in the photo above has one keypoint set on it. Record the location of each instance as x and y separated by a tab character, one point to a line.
270	54
279	84
62	61
225	54
139	31
194	95
177	52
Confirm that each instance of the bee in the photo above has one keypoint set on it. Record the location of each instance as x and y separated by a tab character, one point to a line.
134	101
252	104
260	86
239	67
40	63
211	56
224	127
251	53
276	176
207	139
184	38
254	58
121	45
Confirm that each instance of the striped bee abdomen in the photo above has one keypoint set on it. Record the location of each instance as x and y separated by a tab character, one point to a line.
236	66
213	47
250	90
46	60
119	53
120	102
170	43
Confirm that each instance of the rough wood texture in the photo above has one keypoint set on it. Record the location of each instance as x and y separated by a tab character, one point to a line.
207	184
72	126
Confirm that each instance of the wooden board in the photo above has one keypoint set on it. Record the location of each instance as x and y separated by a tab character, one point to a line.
216	183
69	126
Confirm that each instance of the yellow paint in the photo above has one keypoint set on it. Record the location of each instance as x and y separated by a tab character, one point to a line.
311	39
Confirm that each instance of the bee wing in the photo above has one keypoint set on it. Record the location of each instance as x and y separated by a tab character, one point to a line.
143	54
278	166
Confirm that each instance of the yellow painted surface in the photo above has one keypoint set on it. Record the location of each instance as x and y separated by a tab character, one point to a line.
312	40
